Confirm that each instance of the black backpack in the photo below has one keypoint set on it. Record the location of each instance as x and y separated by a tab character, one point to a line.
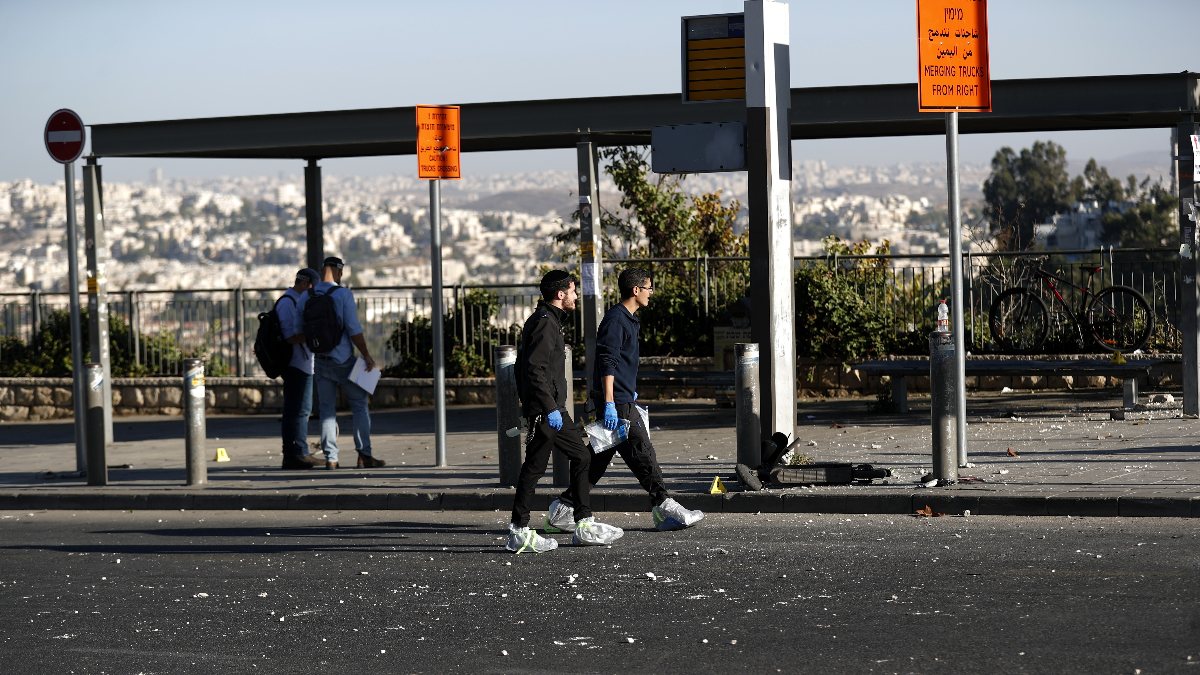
322	327
271	349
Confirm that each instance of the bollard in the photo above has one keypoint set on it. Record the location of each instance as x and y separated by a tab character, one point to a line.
943	397
749	424
508	415
562	465
193	415
97	471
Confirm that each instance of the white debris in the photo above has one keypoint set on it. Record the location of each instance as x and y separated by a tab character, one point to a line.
812	444
200	595
876	446
631	641
651	576
711	458
571	579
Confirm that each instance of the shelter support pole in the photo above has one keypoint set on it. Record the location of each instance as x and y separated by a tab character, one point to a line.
314	215
591	256
959	299
96	251
1189	264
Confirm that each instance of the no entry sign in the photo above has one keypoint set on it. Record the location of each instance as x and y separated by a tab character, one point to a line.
65	136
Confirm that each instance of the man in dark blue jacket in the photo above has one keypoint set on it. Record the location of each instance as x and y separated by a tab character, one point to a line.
542	385
614	383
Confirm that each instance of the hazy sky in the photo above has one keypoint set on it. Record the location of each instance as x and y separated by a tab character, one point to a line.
125	61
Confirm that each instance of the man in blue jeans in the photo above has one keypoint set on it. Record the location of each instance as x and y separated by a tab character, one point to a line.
298	376
332	370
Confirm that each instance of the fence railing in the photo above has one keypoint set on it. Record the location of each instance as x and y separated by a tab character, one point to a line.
163	327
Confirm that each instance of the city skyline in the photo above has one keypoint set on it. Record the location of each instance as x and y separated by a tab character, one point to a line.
133	61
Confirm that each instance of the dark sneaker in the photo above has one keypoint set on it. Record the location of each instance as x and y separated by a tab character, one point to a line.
293	462
369	462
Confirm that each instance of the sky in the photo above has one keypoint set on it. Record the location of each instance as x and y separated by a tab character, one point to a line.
132	61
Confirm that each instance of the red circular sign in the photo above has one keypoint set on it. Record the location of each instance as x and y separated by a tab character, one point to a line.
65	136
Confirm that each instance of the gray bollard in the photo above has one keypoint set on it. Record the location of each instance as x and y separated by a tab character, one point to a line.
97	462
562	465
943	397
746	387
193	415
508	415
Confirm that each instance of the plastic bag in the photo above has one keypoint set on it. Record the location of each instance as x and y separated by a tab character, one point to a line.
602	439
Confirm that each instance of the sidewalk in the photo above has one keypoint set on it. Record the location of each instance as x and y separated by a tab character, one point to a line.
1071	459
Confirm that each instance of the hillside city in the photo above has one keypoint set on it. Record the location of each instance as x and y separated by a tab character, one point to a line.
250	231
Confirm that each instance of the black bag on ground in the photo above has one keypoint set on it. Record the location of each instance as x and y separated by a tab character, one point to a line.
322	327
271	349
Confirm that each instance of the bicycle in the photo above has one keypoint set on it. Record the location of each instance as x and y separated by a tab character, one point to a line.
1115	318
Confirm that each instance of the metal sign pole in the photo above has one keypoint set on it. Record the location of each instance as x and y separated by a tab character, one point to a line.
76	329
96	253
956	286
439	357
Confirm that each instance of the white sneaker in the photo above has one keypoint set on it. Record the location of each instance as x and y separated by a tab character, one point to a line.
589	532
670	515
560	517
521	539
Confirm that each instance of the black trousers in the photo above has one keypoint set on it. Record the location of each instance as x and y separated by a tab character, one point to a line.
569	440
638	453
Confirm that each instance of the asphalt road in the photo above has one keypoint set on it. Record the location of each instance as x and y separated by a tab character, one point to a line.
365	592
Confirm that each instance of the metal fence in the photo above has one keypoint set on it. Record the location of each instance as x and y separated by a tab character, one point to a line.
219	325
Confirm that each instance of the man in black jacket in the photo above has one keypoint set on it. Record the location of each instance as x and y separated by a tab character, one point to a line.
614	384
542	385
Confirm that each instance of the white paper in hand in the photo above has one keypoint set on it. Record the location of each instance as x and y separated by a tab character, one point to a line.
367	379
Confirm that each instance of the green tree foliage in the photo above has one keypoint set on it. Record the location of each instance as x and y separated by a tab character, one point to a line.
1149	223
1026	189
1096	185
658	218
48	353
843	309
469	357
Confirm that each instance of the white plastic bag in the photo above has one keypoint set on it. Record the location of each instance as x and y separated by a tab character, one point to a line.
602	439
644	413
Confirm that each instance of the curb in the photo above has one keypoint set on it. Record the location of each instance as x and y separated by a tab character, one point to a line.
906	503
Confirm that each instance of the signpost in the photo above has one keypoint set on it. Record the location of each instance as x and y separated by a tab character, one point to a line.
953	76
438	135
714	57
65	137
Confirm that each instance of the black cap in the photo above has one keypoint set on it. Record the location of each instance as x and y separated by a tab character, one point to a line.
308	274
334	262
555	277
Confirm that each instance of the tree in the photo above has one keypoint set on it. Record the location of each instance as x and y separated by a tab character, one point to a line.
1096	185
1026	189
1149	223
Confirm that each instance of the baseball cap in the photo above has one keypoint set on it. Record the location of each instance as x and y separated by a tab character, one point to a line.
308	274
334	262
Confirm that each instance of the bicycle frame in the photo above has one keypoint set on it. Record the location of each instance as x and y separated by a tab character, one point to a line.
1085	293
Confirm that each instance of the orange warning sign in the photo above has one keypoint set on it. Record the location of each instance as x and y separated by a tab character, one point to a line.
438	133
952	56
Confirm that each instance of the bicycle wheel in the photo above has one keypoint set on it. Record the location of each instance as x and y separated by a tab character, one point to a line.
1019	321
1119	319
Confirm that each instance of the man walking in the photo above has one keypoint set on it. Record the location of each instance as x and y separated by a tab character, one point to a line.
614	383
298	376
331	327
542	385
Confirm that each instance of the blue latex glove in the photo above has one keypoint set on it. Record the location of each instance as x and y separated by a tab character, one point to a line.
554	419
635	395
610	416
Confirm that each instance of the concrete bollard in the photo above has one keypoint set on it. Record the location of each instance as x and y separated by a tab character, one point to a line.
746	387
508	415
193	415
943	396
562	465
97	460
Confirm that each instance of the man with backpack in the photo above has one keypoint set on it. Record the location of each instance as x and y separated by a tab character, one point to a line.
542	386
298	374
332	331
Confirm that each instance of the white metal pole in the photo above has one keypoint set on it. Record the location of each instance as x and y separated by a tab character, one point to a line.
439	357
956	285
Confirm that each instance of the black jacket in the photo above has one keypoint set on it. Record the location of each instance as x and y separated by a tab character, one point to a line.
541	372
